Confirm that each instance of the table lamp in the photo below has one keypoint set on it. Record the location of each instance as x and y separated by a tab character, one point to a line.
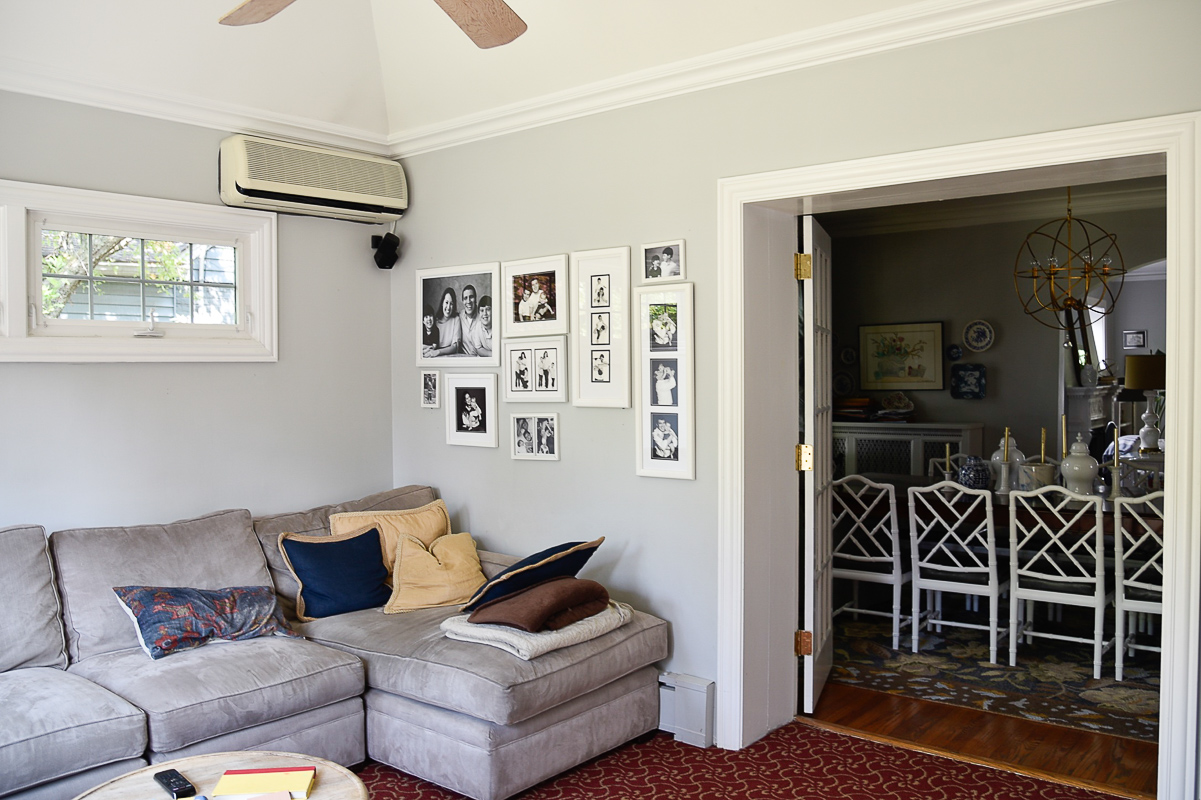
1149	375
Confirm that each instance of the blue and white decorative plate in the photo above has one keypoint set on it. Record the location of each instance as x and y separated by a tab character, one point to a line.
969	381
954	352
978	336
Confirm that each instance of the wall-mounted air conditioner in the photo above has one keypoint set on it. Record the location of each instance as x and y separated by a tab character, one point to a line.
302	179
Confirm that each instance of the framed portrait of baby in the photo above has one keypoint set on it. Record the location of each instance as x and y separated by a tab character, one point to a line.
536	296
471	409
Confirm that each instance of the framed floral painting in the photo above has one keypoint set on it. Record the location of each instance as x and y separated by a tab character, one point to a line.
901	356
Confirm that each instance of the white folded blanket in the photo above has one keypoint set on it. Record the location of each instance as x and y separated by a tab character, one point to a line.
527	645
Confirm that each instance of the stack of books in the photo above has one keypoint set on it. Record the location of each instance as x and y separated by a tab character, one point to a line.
281	783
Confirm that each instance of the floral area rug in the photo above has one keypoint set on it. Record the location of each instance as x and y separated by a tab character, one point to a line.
1052	682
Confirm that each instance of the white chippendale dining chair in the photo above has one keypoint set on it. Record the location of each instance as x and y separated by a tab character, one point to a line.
937	466
1057	555
867	545
954	549
1138	566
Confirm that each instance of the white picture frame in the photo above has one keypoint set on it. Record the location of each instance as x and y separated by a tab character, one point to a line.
534	437
535	370
537	300
663	262
600	360
431	388
433	284
471	409
666	420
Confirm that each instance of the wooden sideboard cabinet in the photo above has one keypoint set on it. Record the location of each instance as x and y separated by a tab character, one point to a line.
900	448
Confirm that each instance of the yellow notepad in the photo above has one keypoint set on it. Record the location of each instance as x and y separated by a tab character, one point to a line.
244	784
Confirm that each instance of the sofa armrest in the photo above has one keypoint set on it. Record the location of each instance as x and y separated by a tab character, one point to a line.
494	563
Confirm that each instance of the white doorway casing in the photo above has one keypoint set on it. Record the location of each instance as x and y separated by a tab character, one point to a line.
756	691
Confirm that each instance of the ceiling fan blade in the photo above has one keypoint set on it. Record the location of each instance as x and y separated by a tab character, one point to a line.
488	23
253	11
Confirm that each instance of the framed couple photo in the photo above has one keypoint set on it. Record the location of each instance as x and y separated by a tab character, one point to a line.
665	382
535	437
600	337
536	296
536	370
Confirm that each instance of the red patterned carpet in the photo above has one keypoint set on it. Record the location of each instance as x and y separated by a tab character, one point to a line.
796	761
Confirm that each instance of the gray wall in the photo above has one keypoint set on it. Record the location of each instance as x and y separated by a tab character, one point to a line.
106	444
962	274
1140	308
648	174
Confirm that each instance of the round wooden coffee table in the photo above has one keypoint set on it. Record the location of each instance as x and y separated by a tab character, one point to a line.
334	782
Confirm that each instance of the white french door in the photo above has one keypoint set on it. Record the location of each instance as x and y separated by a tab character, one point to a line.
817	432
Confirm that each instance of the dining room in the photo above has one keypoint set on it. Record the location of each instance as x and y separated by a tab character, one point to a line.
981	397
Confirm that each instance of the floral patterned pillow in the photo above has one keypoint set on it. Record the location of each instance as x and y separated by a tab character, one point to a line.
171	618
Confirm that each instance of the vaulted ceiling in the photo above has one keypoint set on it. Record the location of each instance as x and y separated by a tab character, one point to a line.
398	76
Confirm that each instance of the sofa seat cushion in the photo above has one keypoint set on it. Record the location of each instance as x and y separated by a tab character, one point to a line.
56	724
408	655
225	686
30	628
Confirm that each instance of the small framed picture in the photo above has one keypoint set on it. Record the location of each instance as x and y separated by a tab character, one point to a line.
471	410
535	370
454	316
536	296
1134	340
431	388
600	328
535	437
663	261
599	292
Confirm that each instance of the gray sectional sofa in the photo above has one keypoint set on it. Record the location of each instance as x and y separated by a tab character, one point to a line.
83	702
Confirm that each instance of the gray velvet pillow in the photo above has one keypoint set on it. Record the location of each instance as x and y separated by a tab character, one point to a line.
30	627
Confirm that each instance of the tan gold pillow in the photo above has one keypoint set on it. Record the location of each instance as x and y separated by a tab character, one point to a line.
446	573
426	524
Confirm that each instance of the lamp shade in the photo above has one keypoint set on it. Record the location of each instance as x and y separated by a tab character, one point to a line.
1146	373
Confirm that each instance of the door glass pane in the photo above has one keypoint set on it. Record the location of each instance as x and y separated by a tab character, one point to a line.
166	261
116	256
64	253
64	298
213	263
215	305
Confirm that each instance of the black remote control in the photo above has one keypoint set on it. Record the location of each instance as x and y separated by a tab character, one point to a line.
176	785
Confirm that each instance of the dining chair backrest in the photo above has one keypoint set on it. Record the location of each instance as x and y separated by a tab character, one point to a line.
865	524
951	528
1138	523
938	466
1057	538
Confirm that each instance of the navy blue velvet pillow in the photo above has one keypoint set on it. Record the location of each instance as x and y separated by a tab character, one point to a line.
336	573
561	561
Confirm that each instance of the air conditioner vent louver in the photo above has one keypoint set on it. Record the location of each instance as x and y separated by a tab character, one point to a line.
281	176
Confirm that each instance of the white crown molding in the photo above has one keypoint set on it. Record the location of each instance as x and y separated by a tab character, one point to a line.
25	77
873	33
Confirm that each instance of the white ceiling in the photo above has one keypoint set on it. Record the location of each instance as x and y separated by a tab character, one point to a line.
397	76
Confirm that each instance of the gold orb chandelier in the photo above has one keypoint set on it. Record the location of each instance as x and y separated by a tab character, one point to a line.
1067	267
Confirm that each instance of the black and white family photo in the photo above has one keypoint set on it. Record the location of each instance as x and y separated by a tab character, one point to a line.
665	443
535	437
534	297
600	328
663	261
456	316
600	366
600	291
663	326
471	408
663	382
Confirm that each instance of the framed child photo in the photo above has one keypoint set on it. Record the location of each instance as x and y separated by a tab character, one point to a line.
663	262
535	370
431	388
600	333
665	382
535	437
535	296
471	410
455	316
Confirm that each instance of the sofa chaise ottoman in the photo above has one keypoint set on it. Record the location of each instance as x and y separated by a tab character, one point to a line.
60	734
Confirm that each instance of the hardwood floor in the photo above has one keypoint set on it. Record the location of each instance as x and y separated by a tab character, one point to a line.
1125	767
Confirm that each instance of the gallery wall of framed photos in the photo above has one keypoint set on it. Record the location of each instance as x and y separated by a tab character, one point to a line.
549	320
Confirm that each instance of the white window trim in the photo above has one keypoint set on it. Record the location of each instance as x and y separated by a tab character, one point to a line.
254	337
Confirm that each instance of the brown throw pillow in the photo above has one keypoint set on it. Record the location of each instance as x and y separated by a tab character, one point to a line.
546	606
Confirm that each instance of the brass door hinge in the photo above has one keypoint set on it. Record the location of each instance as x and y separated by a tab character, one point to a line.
802	265
804	458
803	643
